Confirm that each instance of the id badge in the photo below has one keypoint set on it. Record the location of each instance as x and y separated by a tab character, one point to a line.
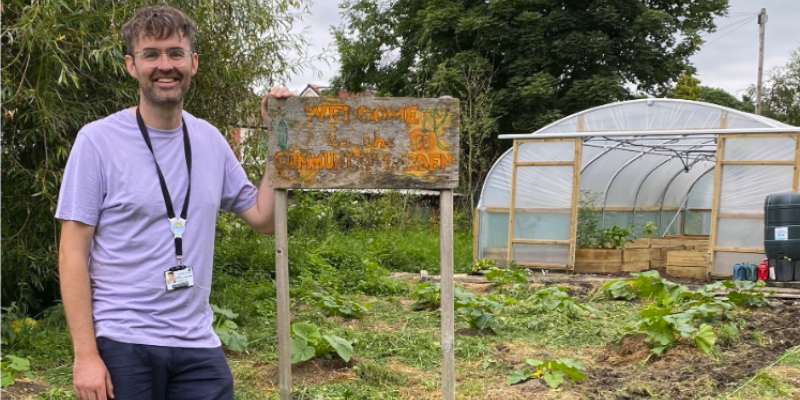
179	278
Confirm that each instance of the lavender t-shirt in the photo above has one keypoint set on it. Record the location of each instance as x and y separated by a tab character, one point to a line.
111	182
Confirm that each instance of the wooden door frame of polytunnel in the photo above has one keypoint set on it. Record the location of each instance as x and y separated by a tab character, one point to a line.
720	133
576	172
364	150
718	177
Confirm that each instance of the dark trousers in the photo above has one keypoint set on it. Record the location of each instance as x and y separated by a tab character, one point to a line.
142	372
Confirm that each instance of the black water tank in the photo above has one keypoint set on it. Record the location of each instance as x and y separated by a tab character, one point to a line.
782	225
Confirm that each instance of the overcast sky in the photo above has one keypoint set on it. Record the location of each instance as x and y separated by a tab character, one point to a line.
728	60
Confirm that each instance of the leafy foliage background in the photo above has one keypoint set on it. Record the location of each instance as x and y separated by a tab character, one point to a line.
63	66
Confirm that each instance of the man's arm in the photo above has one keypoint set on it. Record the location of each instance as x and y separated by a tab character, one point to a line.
90	376
261	216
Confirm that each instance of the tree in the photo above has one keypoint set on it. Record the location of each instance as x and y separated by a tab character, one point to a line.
721	97
468	76
780	97
549	58
687	88
63	66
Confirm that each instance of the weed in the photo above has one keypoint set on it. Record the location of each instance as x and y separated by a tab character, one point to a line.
556	298
504	278
11	366
337	305
227	330
483	264
552	372
307	343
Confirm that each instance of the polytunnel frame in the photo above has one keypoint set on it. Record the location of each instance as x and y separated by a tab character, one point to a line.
667	136
641	183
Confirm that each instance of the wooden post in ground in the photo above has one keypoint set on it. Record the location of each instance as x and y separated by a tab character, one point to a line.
447	295
282	289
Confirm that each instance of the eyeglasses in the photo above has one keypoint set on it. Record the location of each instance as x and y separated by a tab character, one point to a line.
176	57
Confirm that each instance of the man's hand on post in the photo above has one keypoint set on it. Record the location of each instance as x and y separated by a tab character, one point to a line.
278	92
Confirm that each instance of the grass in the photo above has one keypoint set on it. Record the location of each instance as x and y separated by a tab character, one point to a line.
398	354
398	351
778	381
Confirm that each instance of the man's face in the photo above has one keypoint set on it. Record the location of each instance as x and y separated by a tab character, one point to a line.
163	81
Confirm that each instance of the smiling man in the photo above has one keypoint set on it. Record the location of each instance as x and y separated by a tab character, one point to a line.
139	201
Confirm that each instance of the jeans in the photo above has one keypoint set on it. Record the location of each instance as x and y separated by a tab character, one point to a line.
143	372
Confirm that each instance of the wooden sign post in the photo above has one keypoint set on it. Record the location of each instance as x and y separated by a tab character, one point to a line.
364	143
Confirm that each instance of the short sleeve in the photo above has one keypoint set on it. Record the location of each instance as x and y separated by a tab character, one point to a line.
238	193
83	185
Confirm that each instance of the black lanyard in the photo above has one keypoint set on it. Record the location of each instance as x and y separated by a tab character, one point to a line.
177	225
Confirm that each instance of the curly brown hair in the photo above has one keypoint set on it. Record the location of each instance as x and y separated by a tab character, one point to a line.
158	22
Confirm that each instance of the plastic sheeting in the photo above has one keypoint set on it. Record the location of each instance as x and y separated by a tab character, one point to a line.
497	187
541	253
623	189
702	194
544	187
678	190
759	149
744	187
654	114
547	151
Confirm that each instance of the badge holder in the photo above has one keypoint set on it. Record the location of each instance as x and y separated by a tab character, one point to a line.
179	276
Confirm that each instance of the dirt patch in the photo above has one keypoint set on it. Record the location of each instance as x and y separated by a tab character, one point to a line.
22	390
312	372
686	373
580	290
632	349
475	332
478	288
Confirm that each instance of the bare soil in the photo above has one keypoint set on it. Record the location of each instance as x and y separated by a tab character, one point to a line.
684	372
22	390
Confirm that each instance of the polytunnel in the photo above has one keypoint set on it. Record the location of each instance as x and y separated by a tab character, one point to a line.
691	168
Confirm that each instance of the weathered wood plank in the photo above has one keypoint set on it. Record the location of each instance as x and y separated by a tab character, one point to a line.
447	290
363	142
635	255
591	260
282	290
687	272
598	255
687	259
635	266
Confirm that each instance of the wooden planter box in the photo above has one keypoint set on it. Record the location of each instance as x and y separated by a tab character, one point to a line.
687	264
635	260
687	259
687	272
598	261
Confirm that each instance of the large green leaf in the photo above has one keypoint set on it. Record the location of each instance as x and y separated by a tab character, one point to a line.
7	379
224	311
534	362
571	363
300	350
518	376
553	379
18	363
306	331
237	341
343	348
705	338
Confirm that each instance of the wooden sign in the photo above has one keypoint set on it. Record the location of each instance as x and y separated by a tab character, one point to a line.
363	142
